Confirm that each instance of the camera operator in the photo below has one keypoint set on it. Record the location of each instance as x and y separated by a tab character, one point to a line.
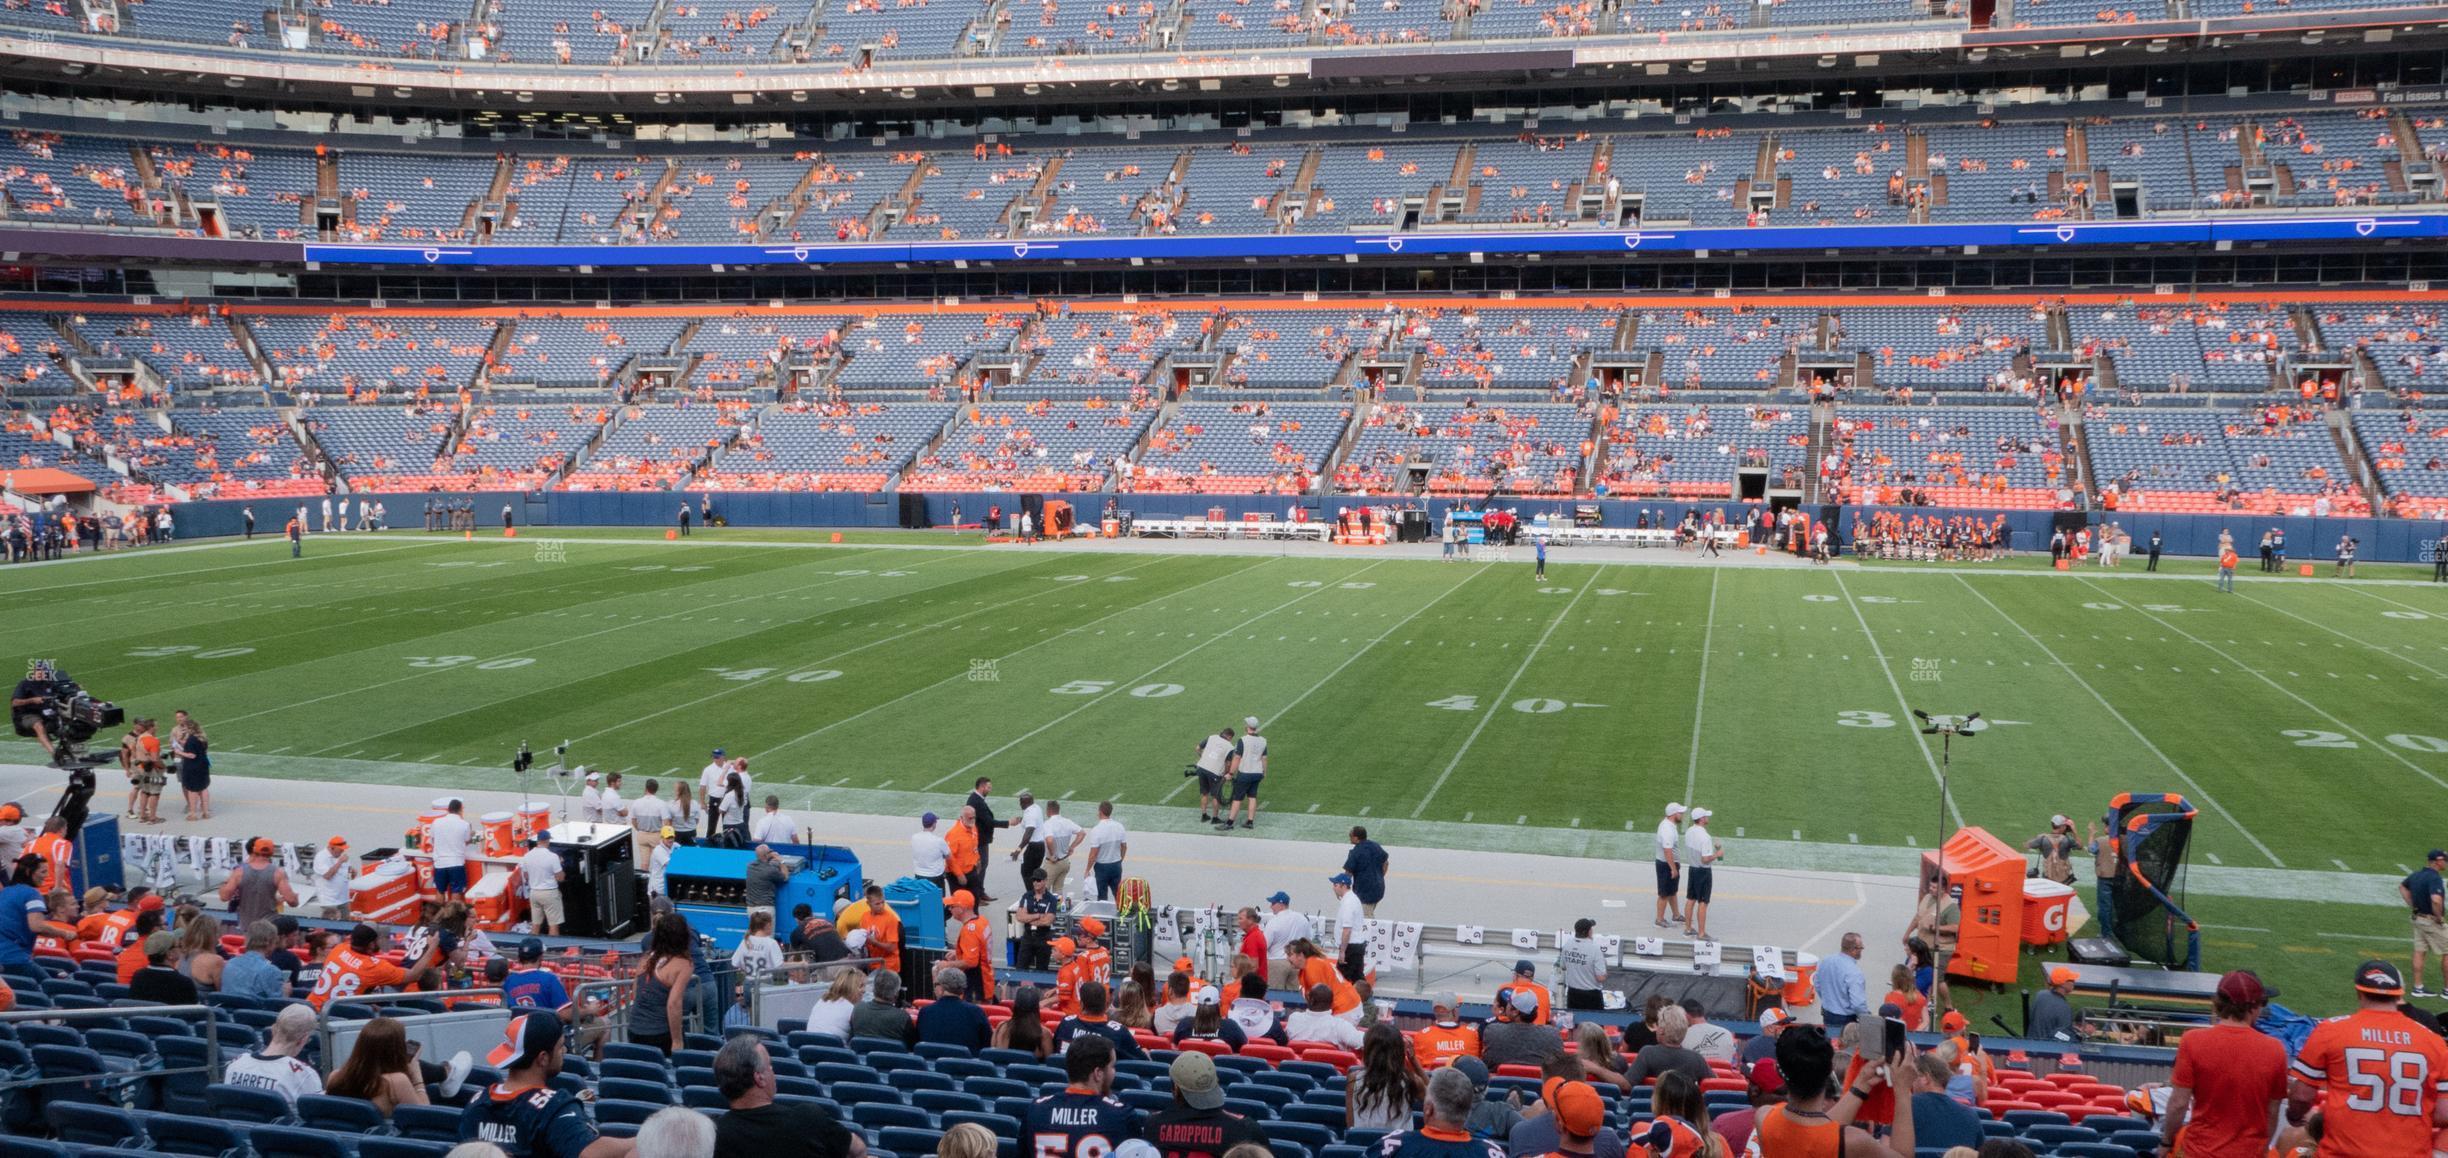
34	705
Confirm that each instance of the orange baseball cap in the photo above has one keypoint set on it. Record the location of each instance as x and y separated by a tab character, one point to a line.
1065	946
338	842
961	900
1092	926
260	846
1954	1020
11	814
2062	976
1578	1109
1185	965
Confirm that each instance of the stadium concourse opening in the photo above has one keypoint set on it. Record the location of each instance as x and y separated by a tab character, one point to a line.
723	579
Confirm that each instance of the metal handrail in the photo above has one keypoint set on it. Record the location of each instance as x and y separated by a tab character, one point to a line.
212	1041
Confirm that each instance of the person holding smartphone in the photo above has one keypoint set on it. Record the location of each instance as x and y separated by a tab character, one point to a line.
1810	1123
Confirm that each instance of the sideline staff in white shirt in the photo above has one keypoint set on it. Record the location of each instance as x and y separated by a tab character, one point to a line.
540	870
928	851
1061	837
1282	926
1669	869
331	878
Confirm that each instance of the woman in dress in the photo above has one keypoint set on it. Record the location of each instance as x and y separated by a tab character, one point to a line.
193	752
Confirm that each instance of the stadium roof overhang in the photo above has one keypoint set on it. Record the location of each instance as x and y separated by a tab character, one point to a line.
1940	51
43	480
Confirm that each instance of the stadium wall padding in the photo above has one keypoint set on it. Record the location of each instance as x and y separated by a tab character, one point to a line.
2384	540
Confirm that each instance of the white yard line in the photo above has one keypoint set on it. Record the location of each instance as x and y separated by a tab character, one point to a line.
959	677
1498	703
1708	635
701	607
1121	687
2381	648
1906	719
2199	792
149	576
2282	689
1032	595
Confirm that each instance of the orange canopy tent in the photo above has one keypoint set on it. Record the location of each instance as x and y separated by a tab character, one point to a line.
43	480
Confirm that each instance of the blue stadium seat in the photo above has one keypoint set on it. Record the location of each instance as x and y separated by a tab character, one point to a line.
876	1115
34	1033
611	1110
2143	1141
247	1104
1232	1063
1007	1057
1312	1112
1036	1075
786	1065
814	1055
427	1123
1320	1070
161	1027
292	1142
631	1051
340	1115
2093	1150
1297	1083
1258	1111
630	1090
182	1087
1002	1126
2055	1136
633	1070
945	1101
938	1050
1343	1151
908	1140
686	1076
195	1137
887	1061
1364	1139
21	1146
88	1125
831	1072
801	1039
855	1093
872	1044
1146	1101
1144	1070
915	1080
996	1088
58	1061
703	1098
400	1148
1993	1129
1276	1097
1015	1108
1310	1134
966	1068
2023	1120
803	1087
2104	1125
714	1041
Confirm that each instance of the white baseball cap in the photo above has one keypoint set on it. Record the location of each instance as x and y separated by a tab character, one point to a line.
1700	814
2059	821
1674	810
1251	722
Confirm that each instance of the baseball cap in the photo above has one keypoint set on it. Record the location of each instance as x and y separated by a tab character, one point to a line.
1449	1000
1339	879
962	899
1092	926
152	903
1525	1001
1473	1068
260	846
2059	821
1891	1009
1065	946
2380	979
1773	1016
1250	722
159	944
1209	995
531	949
718	751
1674	810
337	842
1764	1074
1524	966
1280	898
926	820
2243	987
593	777
1578	1109
11	814
1953	1021
527	1035
2062	976
2437	854
1194	1078
1185	965
1699	814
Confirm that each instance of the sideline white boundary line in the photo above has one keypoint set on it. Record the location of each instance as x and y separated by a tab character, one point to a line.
1708	636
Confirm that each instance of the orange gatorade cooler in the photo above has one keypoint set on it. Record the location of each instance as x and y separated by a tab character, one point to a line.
420	833
500	833
381	889
491	905
1802	987
2047	909
530	820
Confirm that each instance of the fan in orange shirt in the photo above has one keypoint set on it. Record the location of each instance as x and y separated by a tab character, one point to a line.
356	969
1311	965
1070	969
961	867
2378	1077
969	951
1444	1038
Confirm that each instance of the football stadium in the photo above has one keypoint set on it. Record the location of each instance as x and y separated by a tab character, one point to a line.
1168	578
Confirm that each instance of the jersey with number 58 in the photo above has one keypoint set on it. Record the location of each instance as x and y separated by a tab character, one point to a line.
1079	1123
2380	1076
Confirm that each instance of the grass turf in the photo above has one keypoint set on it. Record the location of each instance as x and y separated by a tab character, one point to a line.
1551	715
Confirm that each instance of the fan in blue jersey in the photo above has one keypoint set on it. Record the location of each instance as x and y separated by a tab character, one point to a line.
1085	1120
525	1115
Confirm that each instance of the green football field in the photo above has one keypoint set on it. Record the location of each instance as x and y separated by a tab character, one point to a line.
1453	703
2294	712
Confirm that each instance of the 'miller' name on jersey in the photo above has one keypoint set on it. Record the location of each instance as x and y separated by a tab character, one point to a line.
1077	1116
501	1134
2387	1037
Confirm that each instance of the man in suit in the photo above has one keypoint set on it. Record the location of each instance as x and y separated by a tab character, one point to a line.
986	826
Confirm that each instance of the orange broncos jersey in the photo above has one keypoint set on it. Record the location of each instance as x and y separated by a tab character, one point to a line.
349	973
2380	1075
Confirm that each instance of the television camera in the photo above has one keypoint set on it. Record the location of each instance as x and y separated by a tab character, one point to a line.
68	718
